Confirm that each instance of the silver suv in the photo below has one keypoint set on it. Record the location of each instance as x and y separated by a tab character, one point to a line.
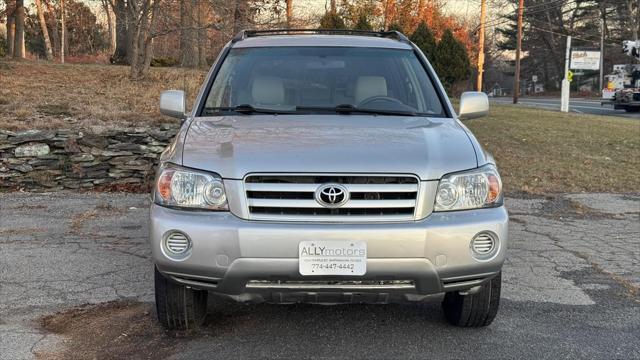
326	167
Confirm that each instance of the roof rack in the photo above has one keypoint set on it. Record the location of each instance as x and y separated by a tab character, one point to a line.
393	34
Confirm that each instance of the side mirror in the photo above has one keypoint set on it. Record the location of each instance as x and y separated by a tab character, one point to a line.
473	104
173	103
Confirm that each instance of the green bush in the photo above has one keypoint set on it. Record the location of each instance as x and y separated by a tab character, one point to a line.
424	39
452	61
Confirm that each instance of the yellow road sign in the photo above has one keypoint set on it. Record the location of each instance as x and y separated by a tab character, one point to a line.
570	76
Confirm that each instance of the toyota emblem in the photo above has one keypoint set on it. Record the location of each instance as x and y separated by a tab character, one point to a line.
332	195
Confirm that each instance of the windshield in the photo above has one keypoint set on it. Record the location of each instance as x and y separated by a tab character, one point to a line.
317	79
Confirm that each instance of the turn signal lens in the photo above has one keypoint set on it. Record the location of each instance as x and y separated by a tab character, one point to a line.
494	188
164	185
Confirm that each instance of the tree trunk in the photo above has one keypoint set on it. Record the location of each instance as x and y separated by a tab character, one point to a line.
120	55
141	49
240	15
18	39
45	31
189	57
388	11
633	18
63	32
53	23
289	13
202	37
111	25
11	26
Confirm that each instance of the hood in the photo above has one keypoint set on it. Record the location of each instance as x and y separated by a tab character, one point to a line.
234	146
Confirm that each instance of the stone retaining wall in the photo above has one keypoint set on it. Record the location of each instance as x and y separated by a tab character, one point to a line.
51	160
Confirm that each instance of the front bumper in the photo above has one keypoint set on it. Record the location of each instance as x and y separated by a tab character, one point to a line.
233	256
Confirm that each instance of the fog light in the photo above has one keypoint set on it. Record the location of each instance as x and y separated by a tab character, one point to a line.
176	245
484	245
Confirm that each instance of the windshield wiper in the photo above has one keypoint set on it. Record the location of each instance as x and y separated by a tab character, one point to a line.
348	108
247	109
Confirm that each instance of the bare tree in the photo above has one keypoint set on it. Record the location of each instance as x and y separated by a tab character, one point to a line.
63	32
202	35
11	25
121	55
241	15
143	16
53	23
188	50
634	17
107	6
45	32
18	39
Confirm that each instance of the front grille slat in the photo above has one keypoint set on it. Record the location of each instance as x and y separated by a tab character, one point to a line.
354	188
292	198
352	204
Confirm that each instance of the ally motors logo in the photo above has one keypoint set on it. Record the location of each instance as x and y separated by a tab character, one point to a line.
318	250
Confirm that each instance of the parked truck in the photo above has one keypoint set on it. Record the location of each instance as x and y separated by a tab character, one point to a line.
622	89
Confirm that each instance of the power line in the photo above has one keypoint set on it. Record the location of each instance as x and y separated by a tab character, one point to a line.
575	37
501	21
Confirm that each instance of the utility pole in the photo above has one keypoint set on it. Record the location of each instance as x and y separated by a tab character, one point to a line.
289	13
516	83
602	14
483	14
564	94
62	32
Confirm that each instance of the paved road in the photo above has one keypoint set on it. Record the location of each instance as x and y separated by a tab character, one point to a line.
571	290
581	106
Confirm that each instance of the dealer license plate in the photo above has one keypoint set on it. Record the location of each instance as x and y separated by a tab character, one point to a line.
342	258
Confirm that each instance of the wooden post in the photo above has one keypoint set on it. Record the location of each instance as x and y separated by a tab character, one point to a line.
483	14
516	83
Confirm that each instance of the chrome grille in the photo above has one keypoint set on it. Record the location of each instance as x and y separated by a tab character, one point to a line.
293	197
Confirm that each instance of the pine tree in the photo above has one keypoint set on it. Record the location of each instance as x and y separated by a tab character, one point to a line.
452	62
395	27
331	20
424	39
363	23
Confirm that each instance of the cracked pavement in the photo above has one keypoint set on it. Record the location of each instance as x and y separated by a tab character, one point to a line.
570	286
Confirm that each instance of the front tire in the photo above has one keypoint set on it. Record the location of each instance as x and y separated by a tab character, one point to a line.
179	307
474	310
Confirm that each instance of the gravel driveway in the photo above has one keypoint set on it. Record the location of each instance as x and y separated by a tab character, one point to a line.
76	281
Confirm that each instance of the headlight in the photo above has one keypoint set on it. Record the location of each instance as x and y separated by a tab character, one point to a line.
181	187
473	189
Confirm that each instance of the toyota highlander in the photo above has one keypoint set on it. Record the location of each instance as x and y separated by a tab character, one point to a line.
326	167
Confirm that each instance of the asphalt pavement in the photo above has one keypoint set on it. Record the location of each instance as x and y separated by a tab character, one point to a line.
576	105
571	287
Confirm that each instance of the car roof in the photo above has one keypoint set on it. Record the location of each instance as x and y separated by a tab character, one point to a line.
316	40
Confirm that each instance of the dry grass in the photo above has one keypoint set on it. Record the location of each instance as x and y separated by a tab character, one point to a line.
540	151
43	95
